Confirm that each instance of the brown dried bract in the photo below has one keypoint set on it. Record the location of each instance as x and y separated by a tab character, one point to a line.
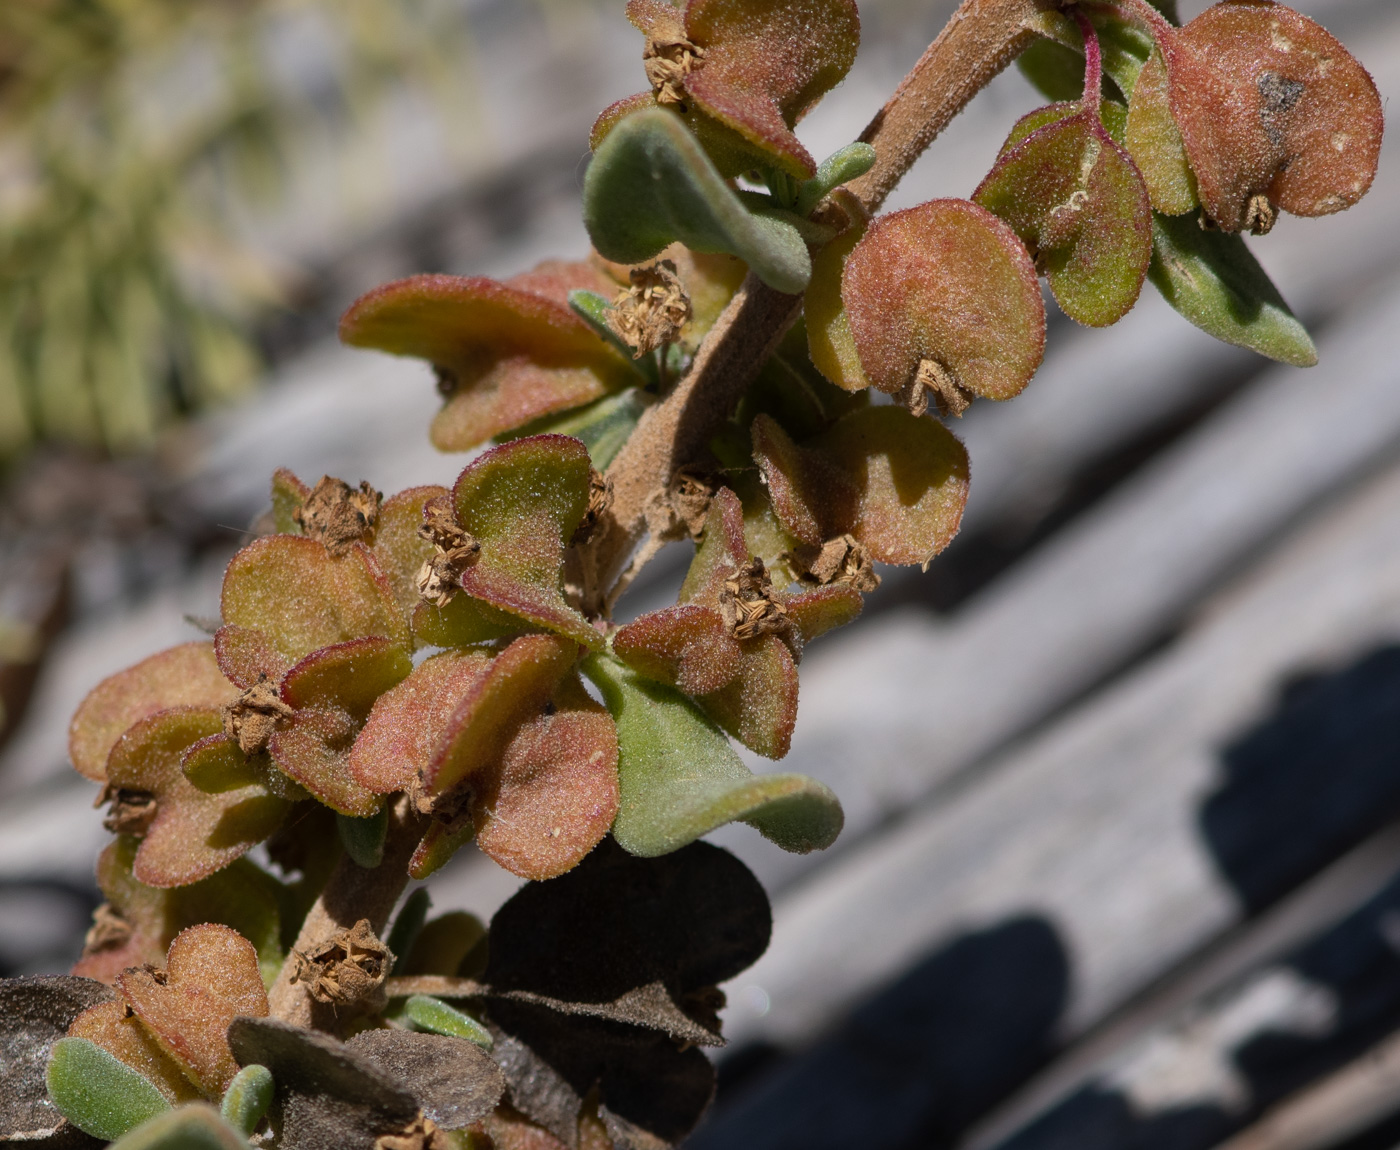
843	560
667	63
454	551
933	379
131	812
109	930
689	494
338	515
420	1134
1259	217
747	604
650	313
252	718
347	969
600	497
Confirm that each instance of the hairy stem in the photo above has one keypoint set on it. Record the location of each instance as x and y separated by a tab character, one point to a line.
981	39
350	894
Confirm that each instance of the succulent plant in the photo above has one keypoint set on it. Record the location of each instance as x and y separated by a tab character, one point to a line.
757	372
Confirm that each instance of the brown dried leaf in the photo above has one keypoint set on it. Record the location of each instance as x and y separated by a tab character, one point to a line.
454	1081
337	515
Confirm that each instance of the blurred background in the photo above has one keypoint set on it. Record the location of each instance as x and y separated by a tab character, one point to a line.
1121	771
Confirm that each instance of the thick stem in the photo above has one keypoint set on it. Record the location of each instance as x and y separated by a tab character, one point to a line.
350	894
981	39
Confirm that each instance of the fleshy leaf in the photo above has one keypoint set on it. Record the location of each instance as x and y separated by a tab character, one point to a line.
687	646
363	839
522	502
288	494
437	1017
98	1093
505	354
1268	104
759	705
650	183
830	344
842	166
193	834
247	1098
398	547
314	750
1214	281
183	676
113	1027
211	977
964	296
35	1013
408	925
1073	195
444	945
196	1127
602	427
679	778
291	589
454	1081
350	675
247	655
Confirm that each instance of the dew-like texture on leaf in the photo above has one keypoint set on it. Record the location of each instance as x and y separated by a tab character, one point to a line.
248	1098
247	656
766	63
1214	281
303	598
822	609
554	793
288	494
759	705
896	482
651	184
555	279
211	977
1154	142
506	355
522	502
193	833
398	547
829	341
687	646
679	778
1267	103
98	1093
314	750
1077	199
112	1026
330	1097
454	1081
948	282
197	1127
351	675
513	690
35	1013
465	622
183	676
408	720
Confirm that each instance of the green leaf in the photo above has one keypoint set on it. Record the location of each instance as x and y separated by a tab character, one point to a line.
1214	281
680	778
840	167
435	1016
194	1127
408	926
247	1098
593	309
650	183
97	1092
603	426
363	839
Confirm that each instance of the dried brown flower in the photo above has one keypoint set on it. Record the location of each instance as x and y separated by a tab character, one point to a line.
251	719
454	551
667	63
932	379
420	1134
347	969
109	930
131	812
747	604
650	313
338	515
600	497
841	560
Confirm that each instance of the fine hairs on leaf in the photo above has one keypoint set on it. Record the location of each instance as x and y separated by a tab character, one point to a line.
395	675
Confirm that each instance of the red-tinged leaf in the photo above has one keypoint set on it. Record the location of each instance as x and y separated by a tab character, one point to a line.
247	655
687	647
506	355
398	548
439	843
910	476
407	721
288	494
1076	198
519	682
813	499
829	341
350	675
465	622
290	588
193	834
183	676
112	1026
314	750
766	63
823	609
722	551
1268	103
554	794
945	282
731	154
1153	140
759	707
522	502
211	977
555	279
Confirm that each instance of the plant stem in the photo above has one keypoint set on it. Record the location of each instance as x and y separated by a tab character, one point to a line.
1093	65
350	894
981	39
